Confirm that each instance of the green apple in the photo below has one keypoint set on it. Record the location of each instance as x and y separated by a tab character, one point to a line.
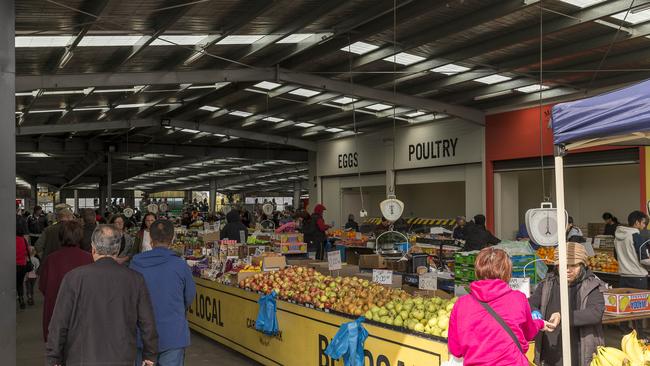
432	322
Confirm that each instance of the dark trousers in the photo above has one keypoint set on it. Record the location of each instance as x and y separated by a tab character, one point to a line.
29	286
640	283
21	271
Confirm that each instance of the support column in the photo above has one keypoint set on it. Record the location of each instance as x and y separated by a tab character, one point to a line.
102	197
213	195
313	180
76	201
296	195
33	194
188	196
7	183
109	178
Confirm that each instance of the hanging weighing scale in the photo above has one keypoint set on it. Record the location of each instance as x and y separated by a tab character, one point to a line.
128	212
542	225
267	208
392	209
163	207
152	208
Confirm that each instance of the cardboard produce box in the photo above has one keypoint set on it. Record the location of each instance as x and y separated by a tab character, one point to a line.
347	270
209	236
270	263
371	261
244	275
303	262
426	293
626	301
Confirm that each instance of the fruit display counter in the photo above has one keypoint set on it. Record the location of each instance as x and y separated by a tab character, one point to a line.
227	315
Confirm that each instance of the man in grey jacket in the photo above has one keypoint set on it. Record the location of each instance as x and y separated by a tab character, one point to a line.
98	310
629	252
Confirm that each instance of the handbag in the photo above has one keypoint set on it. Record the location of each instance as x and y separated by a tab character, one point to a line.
29	266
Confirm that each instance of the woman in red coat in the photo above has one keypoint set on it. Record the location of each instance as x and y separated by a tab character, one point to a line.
60	262
21	258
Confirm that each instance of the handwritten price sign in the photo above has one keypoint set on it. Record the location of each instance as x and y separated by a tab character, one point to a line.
334	260
521	284
382	276
428	282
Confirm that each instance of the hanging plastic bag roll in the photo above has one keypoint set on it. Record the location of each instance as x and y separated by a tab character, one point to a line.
348	343
267	319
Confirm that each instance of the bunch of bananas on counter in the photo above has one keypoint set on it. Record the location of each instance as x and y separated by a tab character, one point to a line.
250	268
633	353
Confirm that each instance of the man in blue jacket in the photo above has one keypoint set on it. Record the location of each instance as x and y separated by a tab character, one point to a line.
171	288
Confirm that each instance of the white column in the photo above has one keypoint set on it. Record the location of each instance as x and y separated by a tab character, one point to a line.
562	267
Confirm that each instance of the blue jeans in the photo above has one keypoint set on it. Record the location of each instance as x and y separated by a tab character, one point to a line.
170	357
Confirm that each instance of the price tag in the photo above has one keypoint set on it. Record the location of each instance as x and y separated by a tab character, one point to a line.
521	284
206	226
334	260
428	282
382	276
242	236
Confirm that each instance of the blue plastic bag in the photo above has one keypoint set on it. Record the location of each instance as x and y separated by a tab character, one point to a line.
348	343
267	319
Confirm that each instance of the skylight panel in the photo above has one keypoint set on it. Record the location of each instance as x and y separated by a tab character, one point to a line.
304	92
295	38
24	94
42	41
124	90
267	85
636	16
273	119
304	125
47	111
415	114
63	92
379	107
109	41
86	109
189	130
344	100
493	79
185	40
209	108
240	114
334	130
360	48
583	3
532	88
210	86
450	69
241	39
404	58
135	105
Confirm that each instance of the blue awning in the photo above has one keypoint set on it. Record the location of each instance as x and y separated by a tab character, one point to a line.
618	113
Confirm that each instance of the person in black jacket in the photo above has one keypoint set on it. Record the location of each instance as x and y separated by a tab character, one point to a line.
351	224
234	226
477	236
611	223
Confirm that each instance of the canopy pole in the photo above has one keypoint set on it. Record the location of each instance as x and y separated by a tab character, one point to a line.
562	266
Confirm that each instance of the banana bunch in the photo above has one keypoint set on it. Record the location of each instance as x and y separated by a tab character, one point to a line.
636	352
609	356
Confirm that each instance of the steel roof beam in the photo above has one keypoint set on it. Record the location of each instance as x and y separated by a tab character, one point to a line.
512	38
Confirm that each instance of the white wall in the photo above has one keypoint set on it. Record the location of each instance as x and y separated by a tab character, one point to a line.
340	195
351	201
589	191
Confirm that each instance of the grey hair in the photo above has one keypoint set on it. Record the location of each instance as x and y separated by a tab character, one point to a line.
106	240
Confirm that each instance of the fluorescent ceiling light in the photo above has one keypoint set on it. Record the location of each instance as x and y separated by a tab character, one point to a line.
635	16
360	48
493	79
334	130
415	114
209	108
218	135
134	89
450	69
379	107
188	130
135	105
304	92
582	3
267	85
295	38
63	92
304	125
404	58
109	41
24	94
532	88
184	40
273	119
210	86
47	111
42	41
240	114
34	154
84	109
492	95
344	100
241	39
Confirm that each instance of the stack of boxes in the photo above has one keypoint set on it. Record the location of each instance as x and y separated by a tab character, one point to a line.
524	266
464	267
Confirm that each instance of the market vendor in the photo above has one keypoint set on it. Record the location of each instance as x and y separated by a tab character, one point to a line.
315	231
586	304
459	229
477	236
611	223
351	224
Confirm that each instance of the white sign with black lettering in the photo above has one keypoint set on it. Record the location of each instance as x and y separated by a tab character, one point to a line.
521	284
382	276
428	282
334	260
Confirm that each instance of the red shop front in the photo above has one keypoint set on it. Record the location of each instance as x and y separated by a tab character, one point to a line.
519	173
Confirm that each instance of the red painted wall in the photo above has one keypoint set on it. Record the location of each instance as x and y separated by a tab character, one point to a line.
516	135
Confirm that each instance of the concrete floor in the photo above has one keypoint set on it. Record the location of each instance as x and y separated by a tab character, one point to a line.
30	347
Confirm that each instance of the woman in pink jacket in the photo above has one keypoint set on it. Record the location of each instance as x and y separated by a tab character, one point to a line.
475	335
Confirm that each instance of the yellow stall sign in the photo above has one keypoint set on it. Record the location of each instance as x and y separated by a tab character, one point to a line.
227	315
